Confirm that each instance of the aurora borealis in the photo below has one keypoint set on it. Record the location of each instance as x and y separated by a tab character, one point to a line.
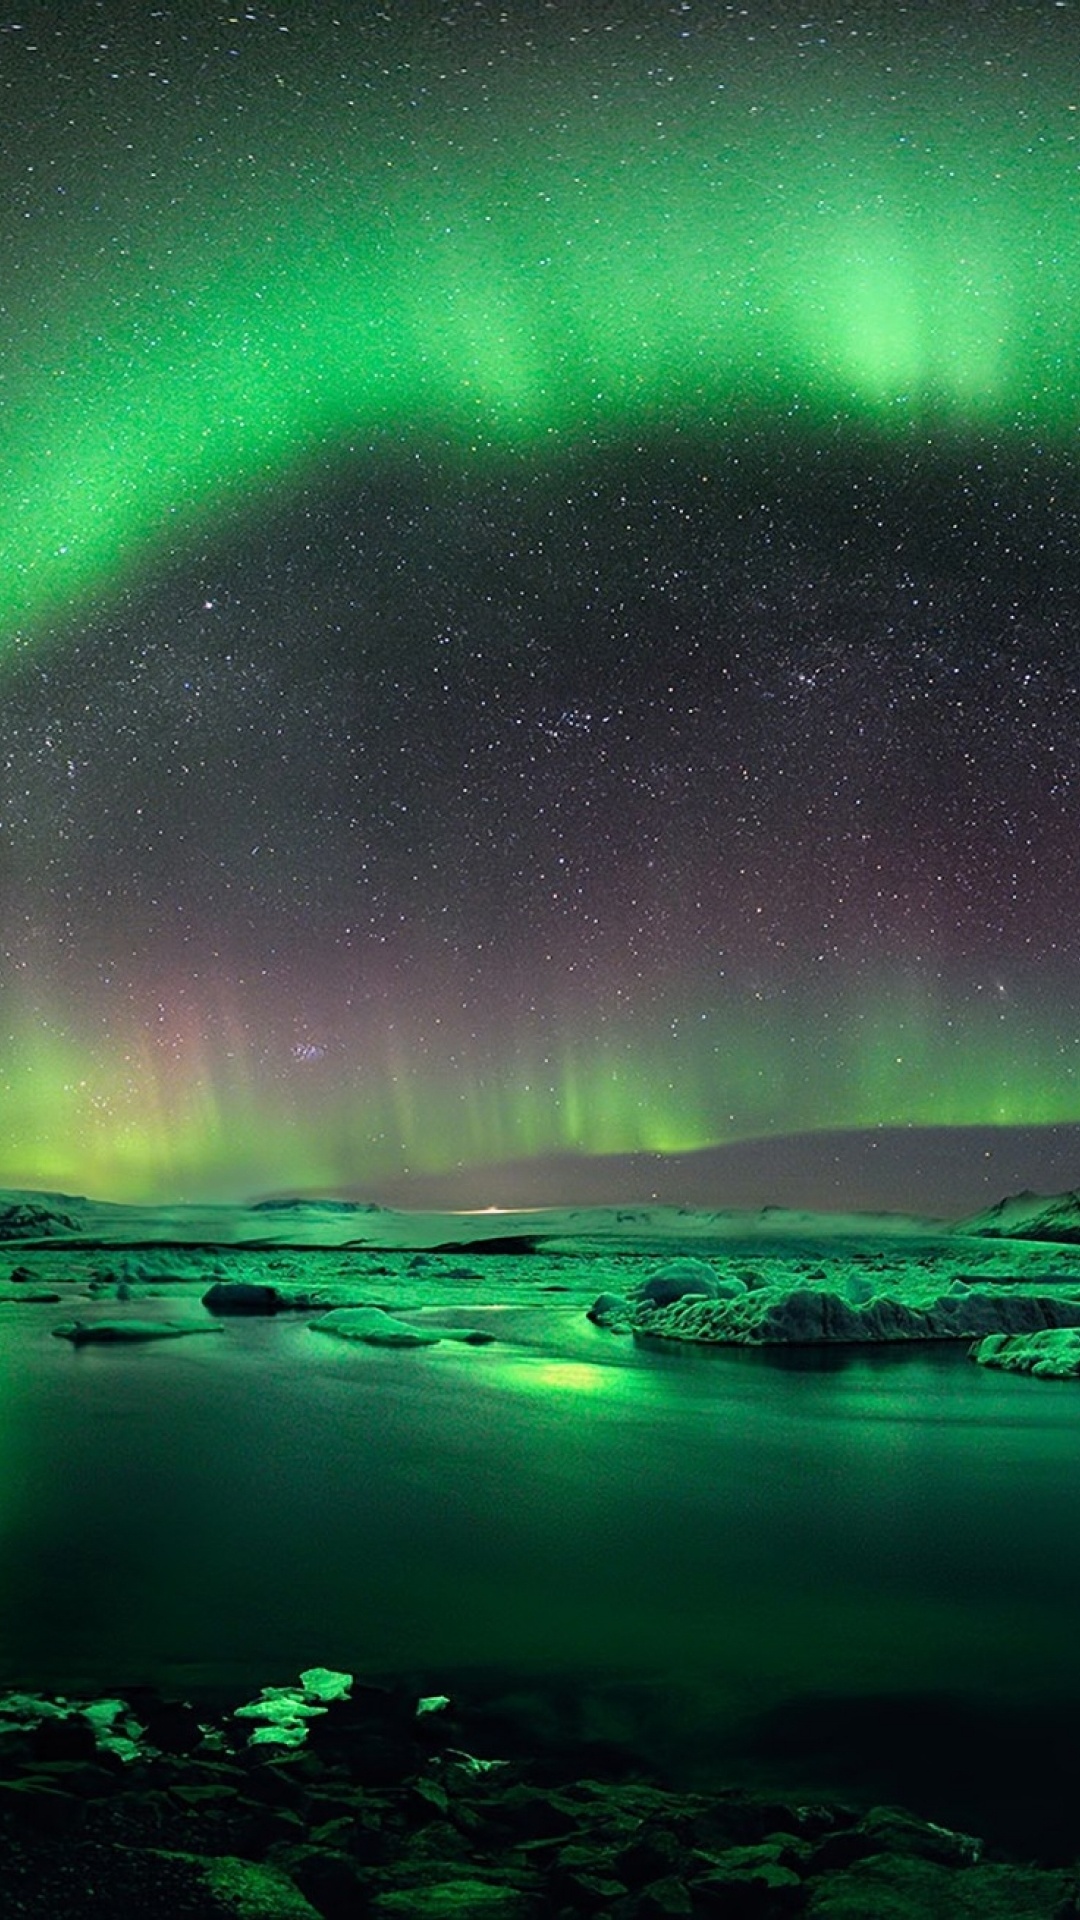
538	591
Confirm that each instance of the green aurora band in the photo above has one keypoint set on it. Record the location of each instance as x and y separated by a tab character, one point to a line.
896	267
213	1120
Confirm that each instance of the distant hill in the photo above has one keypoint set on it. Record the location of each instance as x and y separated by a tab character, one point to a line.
313	1224
299	1223
300	1205
33	1219
1029	1216
939	1173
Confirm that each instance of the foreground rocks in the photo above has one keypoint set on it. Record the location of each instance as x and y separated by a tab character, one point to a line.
144	1805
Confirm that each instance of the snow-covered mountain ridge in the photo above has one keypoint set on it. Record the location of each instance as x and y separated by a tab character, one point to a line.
300	1222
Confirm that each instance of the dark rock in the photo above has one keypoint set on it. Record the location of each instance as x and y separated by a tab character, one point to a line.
429	1796
201	1795
77	1776
371	1842
14	1753
651	1855
590	1893
335	1833
258	1829
244	1890
372	1734
334	1802
204	1770
618	1811
283	1782
447	1835
461	1774
891	1830
431	1848
890	1887
94	1881
749	1883
734	1819
69	1738
583	1888
241	1296
663	1897
333	1882
172	1725
365	1707
134	1817
201	1820
584	1856
381	1760
529	1815
41	1805
455	1897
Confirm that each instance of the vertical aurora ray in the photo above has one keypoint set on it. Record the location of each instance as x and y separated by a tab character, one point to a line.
200	1119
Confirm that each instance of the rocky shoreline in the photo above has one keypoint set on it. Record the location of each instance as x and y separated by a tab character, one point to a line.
329	1799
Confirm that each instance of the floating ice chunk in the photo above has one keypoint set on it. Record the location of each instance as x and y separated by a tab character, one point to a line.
82	1332
114	1726
122	1739
1052	1353
286	1711
291	1733
432	1703
291	1707
374	1327
103	1713
380	1329
470	1765
324	1683
27	1709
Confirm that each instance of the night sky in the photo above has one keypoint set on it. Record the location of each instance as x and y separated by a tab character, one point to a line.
540	601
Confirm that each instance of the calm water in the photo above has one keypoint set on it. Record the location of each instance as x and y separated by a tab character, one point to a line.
861	1576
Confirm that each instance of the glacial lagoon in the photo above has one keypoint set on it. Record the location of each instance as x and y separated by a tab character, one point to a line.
850	1573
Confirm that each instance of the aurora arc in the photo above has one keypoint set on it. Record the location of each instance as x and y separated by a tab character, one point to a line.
886	269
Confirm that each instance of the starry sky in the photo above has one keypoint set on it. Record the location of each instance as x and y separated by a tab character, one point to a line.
540	601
